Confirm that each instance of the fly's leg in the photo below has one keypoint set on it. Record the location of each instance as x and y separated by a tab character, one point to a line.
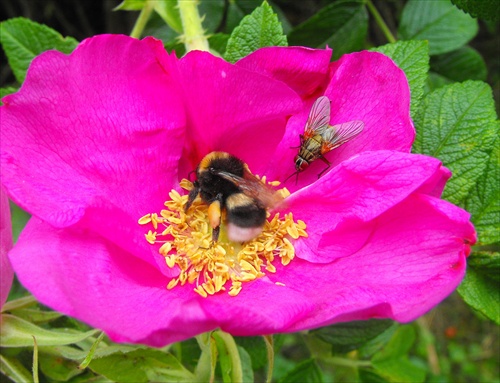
326	162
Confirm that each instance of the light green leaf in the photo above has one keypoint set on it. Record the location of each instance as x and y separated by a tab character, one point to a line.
16	332
483	200
413	58
169	12
484	9
457	123
342	25
130	5
37	316
23	40
14	370
246	365
259	29
305	372
393	363
481	293
463	64
349	336
146	365
446	27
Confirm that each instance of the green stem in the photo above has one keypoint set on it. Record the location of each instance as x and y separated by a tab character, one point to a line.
205	369
269	340
142	20
194	35
232	352
35	361
346	362
380	21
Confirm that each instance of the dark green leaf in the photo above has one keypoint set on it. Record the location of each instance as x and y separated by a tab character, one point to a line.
374	345
368	376
483	9
146	365
14	370
16	332
457	124
57	368
413	58
488	263
218	42
5	91
463	64
305	372
342	25
212	13
256	348
435	81
246	365
483	200
349	336
446	27
259	29
23	40
481	292
392	362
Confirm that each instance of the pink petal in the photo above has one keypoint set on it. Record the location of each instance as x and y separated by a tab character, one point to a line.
356	191
6	272
95	136
305	70
364	86
232	109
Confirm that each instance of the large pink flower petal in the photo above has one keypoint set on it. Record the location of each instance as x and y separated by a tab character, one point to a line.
232	109
6	272
95	136
364	86
354	192
305	70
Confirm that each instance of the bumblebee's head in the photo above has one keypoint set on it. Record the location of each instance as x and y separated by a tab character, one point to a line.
300	164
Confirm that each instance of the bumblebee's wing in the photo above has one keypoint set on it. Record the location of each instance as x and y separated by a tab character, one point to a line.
337	135
319	117
254	188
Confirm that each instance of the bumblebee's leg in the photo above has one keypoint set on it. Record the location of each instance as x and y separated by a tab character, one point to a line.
192	195
326	162
214	216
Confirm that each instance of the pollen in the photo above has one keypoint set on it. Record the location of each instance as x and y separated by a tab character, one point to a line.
185	240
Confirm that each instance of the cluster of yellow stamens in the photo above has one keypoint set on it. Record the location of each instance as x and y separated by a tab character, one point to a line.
186	242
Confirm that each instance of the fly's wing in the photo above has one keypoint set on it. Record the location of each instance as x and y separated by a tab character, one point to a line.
254	188
319	117
337	135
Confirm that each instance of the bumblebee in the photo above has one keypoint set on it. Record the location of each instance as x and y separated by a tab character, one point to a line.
226	184
320	137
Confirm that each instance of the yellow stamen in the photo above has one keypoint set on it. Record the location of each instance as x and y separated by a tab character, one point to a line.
186	244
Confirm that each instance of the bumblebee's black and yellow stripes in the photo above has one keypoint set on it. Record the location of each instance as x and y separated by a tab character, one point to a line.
224	182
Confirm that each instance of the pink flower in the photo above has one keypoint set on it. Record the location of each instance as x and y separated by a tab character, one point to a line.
96	139
6	272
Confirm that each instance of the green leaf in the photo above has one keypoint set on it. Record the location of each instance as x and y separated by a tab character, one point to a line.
246	365
368	376
463	64
488	263
305	372
481	292
256	348
16	332
342	25
413	58
259	29
446	27
5	91
57	368
393	363
435	81
130	5
218	42
169	12
146	365
349	336
483	9
457	124
23	40
14	370
483	201
37	315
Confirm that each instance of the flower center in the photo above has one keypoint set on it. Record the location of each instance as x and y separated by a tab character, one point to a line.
186	242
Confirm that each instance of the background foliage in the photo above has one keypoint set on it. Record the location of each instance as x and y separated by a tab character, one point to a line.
452	63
